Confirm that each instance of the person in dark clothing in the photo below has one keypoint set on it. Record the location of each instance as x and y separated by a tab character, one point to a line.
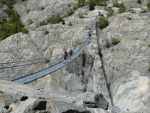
90	34
84	59
65	54
70	52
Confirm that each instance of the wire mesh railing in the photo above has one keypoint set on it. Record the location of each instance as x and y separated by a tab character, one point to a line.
53	66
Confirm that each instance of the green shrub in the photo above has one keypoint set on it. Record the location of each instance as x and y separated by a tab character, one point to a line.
110	11
121	7
115	41
24	30
1	92
81	3
148	45
9	3
55	20
149	68
148	6
139	1
52	20
91	3
11	26
43	23
103	22
100	2
7	29
70	13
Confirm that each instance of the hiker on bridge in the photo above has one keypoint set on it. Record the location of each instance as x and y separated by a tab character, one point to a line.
89	33
65	54
70	52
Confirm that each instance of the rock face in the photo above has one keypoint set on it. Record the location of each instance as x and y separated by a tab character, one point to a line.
111	73
132	3
34	12
127	63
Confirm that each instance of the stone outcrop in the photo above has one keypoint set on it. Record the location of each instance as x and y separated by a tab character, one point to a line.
34	12
127	62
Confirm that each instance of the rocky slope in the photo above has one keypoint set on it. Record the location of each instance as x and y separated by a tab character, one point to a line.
110	76
127	63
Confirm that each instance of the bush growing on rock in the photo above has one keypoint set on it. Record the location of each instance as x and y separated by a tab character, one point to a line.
121	7
91	3
72	10
43	23
12	25
139	1
9	3
148	6
55	20
110	11
100	2
103	22
115	41
81	3
149	68
24	30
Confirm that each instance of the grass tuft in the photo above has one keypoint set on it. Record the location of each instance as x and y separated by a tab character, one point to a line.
103	22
